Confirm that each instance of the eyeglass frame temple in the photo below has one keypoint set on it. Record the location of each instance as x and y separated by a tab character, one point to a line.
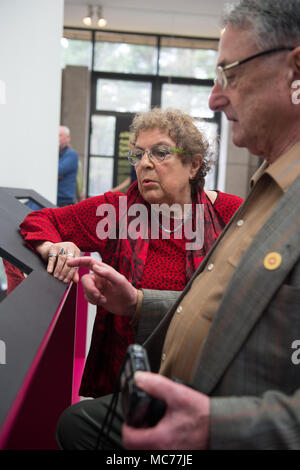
243	61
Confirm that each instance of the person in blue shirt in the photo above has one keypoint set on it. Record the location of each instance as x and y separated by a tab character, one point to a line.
67	169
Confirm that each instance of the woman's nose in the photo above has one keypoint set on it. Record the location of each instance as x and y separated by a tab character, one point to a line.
217	100
146	160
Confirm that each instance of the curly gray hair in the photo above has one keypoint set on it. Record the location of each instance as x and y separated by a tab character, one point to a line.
182	129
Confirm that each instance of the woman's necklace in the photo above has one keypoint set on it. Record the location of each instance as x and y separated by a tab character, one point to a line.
166	230
171	231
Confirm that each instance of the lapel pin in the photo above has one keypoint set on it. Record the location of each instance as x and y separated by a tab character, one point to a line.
272	261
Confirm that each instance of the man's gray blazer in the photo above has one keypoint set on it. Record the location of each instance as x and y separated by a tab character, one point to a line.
246	364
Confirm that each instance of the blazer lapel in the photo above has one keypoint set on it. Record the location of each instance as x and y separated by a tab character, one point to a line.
251	288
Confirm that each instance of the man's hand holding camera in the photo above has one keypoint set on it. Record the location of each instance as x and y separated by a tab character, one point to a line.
185	424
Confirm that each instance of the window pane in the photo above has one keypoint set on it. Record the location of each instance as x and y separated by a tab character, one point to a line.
76	52
210	130
192	99
100	175
125	53
103	135
183	62
123	95
125	58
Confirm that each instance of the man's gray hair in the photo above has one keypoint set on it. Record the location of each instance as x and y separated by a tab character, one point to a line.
273	22
66	130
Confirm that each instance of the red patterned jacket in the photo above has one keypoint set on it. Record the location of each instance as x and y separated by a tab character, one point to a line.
156	264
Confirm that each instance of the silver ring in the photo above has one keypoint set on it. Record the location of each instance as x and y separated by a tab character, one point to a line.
62	252
71	255
52	255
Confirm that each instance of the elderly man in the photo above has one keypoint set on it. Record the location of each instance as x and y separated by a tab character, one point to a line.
67	169
233	331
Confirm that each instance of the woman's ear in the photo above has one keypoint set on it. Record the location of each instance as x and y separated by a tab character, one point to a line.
195	165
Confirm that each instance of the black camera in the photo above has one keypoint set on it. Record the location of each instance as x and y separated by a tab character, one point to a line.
139	408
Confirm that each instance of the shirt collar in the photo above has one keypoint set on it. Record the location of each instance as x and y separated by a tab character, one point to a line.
284	171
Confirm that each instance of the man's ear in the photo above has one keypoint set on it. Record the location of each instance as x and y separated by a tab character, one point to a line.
294	75
294	62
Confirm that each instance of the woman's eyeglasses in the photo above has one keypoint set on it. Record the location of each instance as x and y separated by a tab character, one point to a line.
157	154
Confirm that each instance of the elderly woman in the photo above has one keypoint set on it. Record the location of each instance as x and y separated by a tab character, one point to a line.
171	159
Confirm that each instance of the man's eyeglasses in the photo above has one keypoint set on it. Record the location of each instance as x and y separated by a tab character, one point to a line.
221	78
157	154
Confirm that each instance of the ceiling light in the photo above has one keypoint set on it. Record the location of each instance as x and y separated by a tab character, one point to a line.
87	20
102	22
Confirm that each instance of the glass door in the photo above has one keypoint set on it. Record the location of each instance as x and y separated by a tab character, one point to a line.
114	103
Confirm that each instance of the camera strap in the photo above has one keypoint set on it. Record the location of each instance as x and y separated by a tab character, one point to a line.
103	437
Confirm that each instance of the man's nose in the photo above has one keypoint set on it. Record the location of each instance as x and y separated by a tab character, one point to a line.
217	100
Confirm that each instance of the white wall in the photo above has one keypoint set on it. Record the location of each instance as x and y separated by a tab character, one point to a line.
221	183
187	18
30	73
